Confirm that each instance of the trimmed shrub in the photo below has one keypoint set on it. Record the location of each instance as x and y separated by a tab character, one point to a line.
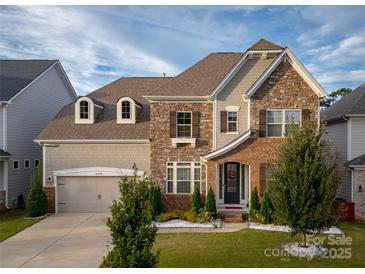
37	202
155	198
171	215
210	206
265	211
196	201
130	226
254	206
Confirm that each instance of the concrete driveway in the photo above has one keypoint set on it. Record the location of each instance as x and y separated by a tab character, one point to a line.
61	240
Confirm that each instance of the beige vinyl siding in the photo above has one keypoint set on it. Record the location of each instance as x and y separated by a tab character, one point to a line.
357	137
68	156
336	134
231	95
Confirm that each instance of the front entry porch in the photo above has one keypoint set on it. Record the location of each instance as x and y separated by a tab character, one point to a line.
232	187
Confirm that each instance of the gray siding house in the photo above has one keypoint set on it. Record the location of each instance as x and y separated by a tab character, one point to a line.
346	132
31	94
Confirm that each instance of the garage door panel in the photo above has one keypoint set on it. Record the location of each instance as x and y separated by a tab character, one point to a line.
87	194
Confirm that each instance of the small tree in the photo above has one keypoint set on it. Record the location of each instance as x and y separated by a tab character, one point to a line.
131	230
155	198
254	205
306	181
265	211
37	202
210	206
196	201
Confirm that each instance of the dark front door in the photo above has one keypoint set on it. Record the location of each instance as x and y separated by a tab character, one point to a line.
231	183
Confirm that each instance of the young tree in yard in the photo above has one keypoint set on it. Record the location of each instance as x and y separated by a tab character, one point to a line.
254	205
305	183
37	202
132	234
196	201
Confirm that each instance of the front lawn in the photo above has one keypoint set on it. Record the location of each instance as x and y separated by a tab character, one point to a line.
246	248
12	221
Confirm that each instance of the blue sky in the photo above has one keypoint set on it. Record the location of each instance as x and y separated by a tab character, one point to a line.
98	44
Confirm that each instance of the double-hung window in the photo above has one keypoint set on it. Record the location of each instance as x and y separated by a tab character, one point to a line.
183	124
84	110
126	110
278	121
182	177
232	121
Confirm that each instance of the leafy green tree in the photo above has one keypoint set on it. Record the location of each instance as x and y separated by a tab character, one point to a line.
265	211
333	97
210	205
37	202
306	181
254	205
196	201
132	234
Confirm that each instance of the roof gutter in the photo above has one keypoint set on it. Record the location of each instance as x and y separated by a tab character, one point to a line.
93	141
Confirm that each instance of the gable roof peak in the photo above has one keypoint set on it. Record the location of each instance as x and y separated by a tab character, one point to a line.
264	44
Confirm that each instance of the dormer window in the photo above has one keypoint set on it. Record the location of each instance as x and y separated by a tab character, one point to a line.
126	110
84	111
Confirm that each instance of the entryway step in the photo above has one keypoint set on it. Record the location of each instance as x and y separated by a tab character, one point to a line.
234	218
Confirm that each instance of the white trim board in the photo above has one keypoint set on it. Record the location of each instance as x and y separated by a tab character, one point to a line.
94	141
297	65
228	147
98	172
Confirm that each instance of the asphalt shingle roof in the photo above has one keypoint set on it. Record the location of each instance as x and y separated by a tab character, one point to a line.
105	126
263	44
4	153
359	161
17	74
352	103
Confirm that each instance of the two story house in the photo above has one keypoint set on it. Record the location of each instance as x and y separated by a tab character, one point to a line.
216	125
32	92
346	132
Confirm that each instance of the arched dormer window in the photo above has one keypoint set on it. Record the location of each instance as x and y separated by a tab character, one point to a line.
84	111
126	111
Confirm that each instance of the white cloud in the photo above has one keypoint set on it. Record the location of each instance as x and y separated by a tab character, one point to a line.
342	76
79	40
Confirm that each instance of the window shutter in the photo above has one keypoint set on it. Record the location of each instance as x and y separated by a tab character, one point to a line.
305	115
262	121
263	179
172	124
196	121
223	121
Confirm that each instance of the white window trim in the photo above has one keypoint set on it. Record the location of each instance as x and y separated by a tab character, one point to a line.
18	164
91	119
34	165
28	162
282	122
132	119
191	125
174	180
232	132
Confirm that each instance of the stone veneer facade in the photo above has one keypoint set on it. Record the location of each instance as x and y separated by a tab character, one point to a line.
359	196
283	89
162	150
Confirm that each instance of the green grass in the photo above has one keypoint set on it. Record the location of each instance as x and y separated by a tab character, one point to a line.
246	248
12	221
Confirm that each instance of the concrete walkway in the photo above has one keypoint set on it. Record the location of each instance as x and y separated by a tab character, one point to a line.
61	240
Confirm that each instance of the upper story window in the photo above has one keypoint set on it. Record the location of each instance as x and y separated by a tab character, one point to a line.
183	124
84	111
16	164
126	111
232	121
278	121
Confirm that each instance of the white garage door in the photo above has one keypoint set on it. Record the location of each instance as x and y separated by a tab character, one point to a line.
87	194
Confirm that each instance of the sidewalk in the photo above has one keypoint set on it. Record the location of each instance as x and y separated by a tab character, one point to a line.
227	227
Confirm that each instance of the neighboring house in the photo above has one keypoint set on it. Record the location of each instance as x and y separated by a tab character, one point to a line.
346	132
216	125
32	92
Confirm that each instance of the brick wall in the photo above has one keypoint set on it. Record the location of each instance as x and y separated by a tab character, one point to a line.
162	150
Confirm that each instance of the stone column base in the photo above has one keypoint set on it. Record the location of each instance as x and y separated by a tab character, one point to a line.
50	192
